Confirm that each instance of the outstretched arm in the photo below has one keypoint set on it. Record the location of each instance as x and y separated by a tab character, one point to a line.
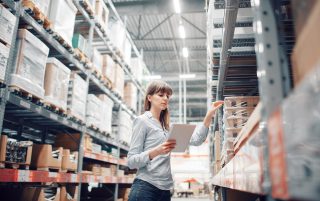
200	133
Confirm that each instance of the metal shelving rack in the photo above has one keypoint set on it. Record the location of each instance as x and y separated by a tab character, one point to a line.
16	108
261	166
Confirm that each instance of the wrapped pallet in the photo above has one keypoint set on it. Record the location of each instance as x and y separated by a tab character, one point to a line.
127	51
97	60
93	114
125	127
130	95
31	58
7	23
106	113
4	55
77	97
137	66
102	13
56	83
108	68
62	14
117	34
119	81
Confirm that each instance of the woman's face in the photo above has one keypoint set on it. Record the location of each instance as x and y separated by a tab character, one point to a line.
159	100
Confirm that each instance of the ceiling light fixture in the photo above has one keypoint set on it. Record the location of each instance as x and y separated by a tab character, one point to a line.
176	4
185	52
182	31
187	76
152	77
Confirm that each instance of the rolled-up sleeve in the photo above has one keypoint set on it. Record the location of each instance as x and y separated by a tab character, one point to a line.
199	135
137	158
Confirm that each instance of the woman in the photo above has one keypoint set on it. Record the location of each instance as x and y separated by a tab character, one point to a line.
150	147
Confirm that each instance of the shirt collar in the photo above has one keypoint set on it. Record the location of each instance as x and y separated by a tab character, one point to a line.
148	114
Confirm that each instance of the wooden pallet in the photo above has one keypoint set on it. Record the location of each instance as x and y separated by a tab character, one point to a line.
94	127
107	82
80	56
88	7
96	73
74	117
49	169
64	43
26	95
37	14
10	165
54	108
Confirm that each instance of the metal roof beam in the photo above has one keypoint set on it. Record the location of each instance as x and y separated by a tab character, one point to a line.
157	7
155	27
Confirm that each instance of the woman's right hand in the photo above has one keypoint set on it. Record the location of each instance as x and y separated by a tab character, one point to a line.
162	149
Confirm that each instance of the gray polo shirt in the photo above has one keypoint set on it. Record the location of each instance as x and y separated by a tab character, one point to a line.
147	133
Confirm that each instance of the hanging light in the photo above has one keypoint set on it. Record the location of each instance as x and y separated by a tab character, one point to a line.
182	31
176	4
185	52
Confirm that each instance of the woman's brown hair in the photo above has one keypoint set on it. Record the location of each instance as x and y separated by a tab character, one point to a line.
154	88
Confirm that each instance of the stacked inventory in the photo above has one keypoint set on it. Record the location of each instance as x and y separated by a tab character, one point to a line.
130	95
106	116
125	128
236	113
7	20
93	114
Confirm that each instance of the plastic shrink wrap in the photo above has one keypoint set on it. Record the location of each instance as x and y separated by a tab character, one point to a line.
130	95
137	66
31	58
117	34
7	23
93	114
77	96
125	127
4	55
97	60
106	113
56	83
62	14
102	13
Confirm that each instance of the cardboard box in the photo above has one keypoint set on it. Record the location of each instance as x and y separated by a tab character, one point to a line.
71	141
97	60
217	146
31	59
4	55
56	83
70	190
117	34
109	68
7	24
62	14
39	194
306	52
301	11
69	160
119	80
131	95
102	13
125	127
42	157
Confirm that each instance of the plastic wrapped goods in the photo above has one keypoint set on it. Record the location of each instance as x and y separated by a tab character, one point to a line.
137	66
119	80
102	13
31	58
93	115
127	51
7	23
97	60
77	97
106	113
125	127
117	34
62	14
130	95
4	55
108	68
56	83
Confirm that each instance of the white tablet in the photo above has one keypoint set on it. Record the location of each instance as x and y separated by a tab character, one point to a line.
182	134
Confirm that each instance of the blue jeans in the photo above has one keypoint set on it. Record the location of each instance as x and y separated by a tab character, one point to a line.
143	191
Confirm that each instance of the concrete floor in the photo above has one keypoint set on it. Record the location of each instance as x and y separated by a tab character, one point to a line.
190	199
